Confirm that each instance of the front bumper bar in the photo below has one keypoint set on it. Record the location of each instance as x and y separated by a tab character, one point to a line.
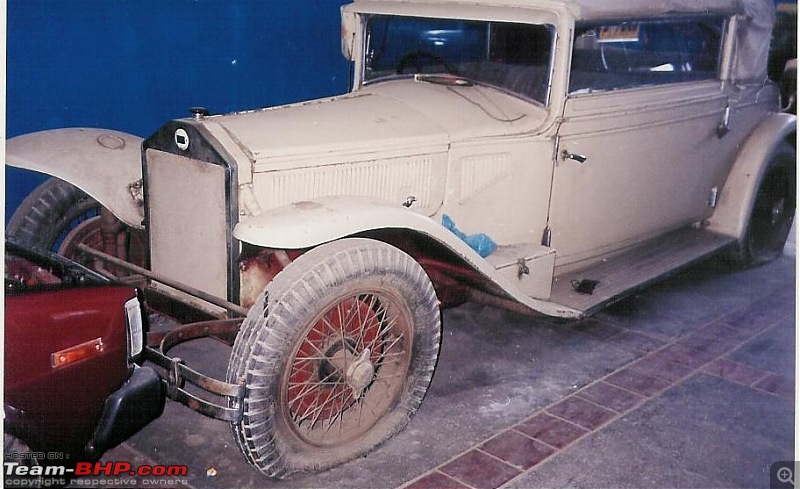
229	404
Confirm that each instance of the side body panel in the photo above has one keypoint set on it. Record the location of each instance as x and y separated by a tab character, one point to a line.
500	187
309	223
388	176
653	157
60	405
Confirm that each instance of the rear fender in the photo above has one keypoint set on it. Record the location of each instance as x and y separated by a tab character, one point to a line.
311	223
105	164
739	193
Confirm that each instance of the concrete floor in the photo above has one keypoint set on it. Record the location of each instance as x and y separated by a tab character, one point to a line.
688	384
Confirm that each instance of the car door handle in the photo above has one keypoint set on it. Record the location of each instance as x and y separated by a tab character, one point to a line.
566	155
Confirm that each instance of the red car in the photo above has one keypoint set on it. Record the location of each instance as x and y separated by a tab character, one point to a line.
72	386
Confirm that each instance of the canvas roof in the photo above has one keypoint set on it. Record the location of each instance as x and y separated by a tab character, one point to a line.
753	35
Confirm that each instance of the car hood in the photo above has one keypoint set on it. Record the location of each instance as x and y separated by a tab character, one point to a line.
400	117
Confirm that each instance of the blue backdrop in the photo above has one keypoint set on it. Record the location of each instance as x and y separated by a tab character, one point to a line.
131	65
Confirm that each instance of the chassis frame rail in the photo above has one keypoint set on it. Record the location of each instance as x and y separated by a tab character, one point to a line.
175	372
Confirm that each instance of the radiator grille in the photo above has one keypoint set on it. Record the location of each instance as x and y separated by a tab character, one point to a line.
188	228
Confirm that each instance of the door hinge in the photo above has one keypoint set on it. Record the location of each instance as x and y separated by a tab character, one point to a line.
547	236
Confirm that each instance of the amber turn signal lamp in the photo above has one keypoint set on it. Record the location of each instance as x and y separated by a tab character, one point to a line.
76	353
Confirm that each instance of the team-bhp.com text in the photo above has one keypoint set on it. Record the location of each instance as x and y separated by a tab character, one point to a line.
18	475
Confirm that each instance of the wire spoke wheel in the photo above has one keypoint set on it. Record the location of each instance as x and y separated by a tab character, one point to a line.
348	368
50	213
336	354
58	217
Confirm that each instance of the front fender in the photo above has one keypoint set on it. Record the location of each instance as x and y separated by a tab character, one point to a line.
311	223
739	193
101	162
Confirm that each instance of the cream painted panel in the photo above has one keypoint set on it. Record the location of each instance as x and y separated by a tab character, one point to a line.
651	164
103	163
479	172
510	9
389	179
501	188
348	124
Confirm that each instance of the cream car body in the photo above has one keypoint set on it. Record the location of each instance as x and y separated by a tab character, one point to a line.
598	144
494	162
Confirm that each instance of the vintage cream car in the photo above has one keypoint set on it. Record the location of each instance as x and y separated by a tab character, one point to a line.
548	156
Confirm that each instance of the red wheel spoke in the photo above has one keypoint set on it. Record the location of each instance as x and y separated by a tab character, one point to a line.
391	345
311	410
339	415
321	394
343	392
382	331
312	386
366	404
372	320
327	323
310	359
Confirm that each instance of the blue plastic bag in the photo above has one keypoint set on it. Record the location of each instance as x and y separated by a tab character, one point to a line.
481	242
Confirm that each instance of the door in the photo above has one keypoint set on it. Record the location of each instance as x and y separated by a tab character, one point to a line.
639	151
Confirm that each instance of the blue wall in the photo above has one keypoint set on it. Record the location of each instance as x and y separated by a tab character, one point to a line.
131	65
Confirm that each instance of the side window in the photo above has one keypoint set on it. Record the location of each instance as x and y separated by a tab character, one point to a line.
635	54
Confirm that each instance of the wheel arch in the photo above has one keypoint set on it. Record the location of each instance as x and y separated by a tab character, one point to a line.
739	192
105	164
310	223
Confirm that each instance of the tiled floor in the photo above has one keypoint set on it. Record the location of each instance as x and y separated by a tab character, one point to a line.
688	384
502	458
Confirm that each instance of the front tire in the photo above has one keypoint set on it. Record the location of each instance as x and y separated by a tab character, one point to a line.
48	214
58	216
337	355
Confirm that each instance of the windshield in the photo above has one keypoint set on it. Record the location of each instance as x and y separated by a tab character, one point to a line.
512	57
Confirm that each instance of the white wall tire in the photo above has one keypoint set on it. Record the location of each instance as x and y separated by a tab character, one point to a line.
337	355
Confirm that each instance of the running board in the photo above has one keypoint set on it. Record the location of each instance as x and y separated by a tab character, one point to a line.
598	285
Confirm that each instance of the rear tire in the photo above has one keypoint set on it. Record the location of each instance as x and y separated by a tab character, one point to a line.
772	214
337	355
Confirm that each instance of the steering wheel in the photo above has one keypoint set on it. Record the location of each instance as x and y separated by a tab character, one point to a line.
414	57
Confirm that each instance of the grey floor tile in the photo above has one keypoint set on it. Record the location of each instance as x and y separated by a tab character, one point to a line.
699	434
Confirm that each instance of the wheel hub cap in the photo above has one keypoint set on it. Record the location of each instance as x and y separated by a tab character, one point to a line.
777	212
360	373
